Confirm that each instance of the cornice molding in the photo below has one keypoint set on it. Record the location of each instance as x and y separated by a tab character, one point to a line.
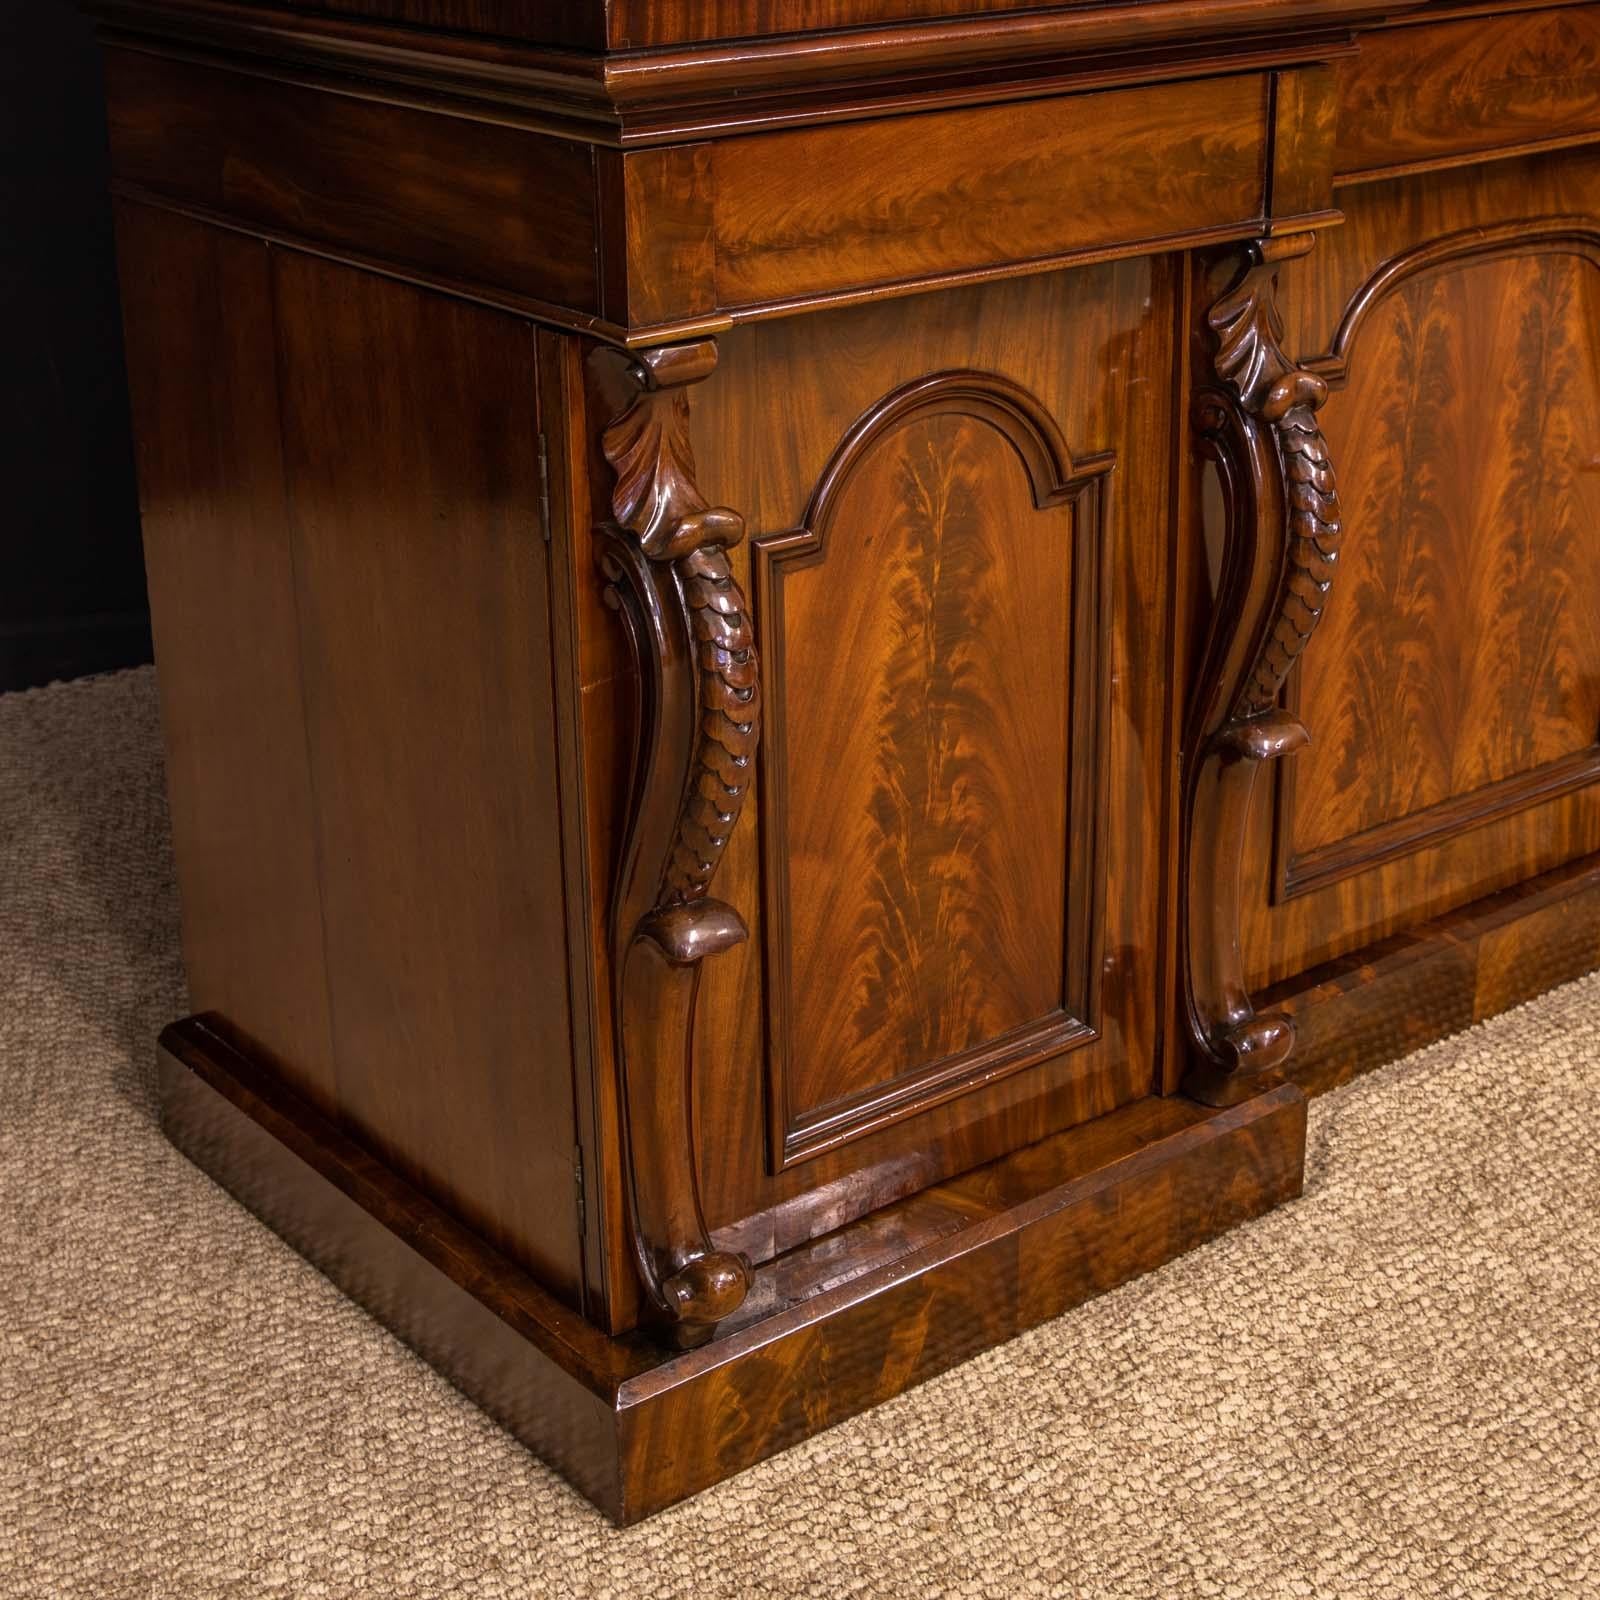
677	93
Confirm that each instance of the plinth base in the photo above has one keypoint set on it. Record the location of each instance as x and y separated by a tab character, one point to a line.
830	1328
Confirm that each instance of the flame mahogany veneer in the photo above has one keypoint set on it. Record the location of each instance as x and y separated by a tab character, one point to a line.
813	657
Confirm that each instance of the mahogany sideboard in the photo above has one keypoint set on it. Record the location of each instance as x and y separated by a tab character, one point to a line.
816	658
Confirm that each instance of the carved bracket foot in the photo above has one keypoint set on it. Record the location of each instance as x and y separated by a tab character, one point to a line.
699	718
1257	421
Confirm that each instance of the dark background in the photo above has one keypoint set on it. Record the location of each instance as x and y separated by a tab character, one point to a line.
72	594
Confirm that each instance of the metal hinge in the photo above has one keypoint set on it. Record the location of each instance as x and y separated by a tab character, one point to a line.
544	487
577	1179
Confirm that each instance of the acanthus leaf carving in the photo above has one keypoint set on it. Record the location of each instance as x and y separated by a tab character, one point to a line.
665	554
1257	420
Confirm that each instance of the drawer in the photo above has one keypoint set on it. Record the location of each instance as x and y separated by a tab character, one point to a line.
822	212
1444	93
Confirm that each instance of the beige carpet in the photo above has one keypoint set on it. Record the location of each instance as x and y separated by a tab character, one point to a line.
1391	1388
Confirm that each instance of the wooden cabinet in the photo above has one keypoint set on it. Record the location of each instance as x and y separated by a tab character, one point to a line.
794	662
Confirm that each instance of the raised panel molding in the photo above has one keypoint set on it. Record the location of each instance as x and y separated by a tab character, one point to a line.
963	841
1299	867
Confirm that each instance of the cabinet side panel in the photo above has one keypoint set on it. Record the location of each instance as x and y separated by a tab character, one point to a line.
480	203
411	439
198	309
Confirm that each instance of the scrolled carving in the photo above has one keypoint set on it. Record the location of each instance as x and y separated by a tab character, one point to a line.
1257	421
1251	362
665	556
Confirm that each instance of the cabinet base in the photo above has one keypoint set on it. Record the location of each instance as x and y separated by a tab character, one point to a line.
1388	999
831	1328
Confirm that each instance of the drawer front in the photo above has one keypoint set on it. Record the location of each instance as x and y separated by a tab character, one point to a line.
1419	97
820	211
853	209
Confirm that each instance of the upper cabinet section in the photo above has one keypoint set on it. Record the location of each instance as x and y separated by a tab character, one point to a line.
628	74
626	25
516	154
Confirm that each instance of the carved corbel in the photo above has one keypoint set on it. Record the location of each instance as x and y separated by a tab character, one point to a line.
1256	419
699	717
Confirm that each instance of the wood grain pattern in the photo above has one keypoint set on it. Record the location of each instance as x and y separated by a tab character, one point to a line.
477	203
664	94
951	1272
602	1241
669	228
644	22
1376	1004
457	173
1458	629
933	866
634	25
436	811
484	836
1450	91
370	847
971	189
784	397
1305	125
219	560
767	422
1472	379
1035	1245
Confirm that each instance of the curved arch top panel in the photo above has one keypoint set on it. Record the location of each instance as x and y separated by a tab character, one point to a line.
1457	683
937	682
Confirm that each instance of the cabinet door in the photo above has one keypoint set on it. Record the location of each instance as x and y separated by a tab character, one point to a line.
1453	689
958	567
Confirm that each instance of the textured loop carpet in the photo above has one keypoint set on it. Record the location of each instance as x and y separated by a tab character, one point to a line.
1391	1388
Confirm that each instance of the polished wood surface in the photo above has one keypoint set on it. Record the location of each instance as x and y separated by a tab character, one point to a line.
1257	420
801	666
648	22
198	311
914	948
697	723
948	1118
1359	1011
1452	316
637	25
440	880
792	403
429	193
831	1330
1416	98
651	245
382	801
968	190
1487	494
